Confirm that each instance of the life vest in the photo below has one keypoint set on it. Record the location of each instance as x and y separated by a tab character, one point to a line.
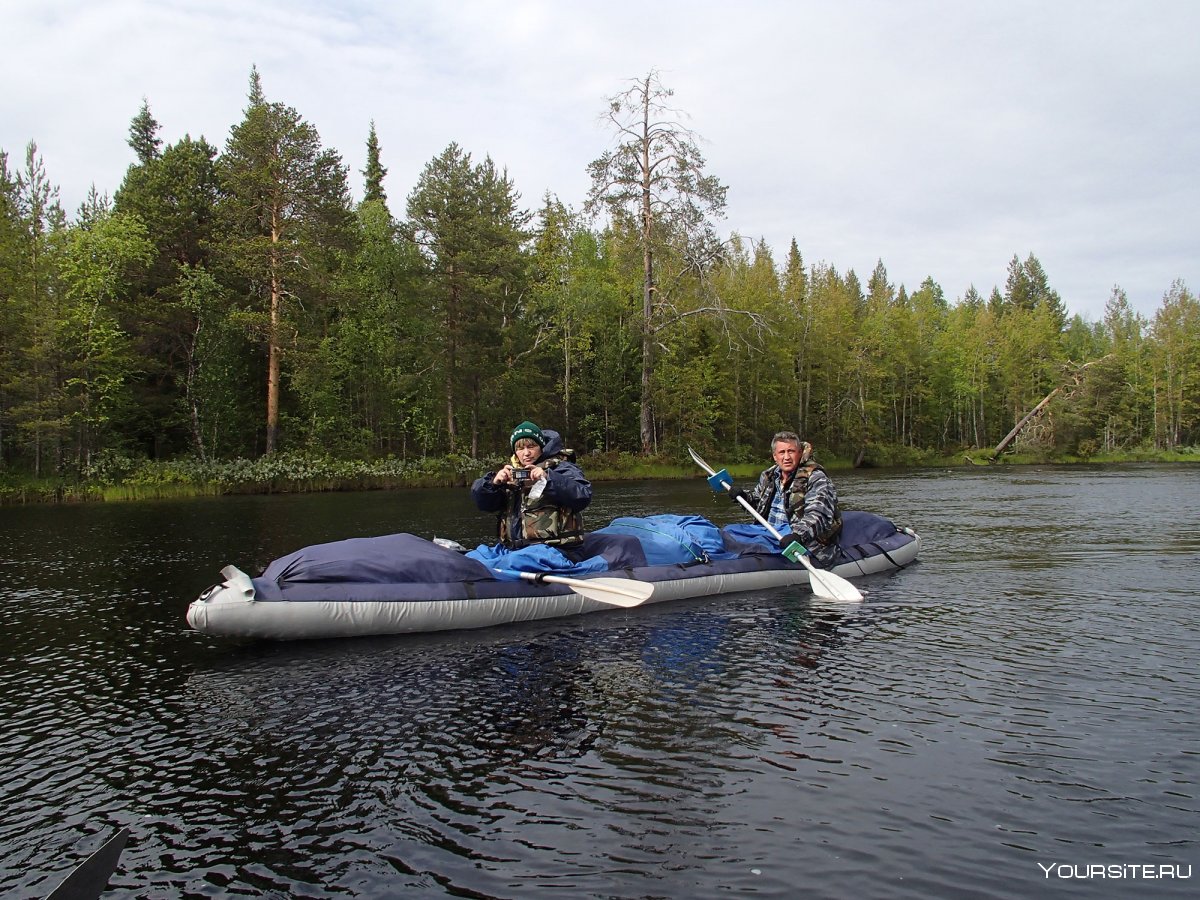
794	499
540	521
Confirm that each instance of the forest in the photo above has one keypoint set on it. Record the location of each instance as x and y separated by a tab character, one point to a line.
235	303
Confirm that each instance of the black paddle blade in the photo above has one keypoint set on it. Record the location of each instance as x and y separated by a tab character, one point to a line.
90	877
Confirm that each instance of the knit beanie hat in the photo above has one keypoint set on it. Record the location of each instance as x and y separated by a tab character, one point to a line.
527	430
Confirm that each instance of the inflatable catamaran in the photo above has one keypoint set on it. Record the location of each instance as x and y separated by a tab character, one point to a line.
402	583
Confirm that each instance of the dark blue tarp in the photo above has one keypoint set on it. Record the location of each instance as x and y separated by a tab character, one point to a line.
388	559
863	534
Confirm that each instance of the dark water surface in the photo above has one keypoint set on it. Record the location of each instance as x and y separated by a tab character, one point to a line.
1024	700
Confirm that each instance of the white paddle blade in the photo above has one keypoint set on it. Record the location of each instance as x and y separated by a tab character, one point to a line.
832	586
701	463
615	591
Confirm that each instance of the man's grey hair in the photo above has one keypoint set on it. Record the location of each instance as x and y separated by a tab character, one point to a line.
785	437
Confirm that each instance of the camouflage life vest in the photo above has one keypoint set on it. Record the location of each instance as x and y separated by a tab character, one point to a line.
794	500
539	521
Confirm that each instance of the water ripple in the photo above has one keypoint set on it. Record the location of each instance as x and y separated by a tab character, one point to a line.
1024	694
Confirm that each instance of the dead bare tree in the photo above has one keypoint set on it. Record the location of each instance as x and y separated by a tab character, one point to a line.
655	177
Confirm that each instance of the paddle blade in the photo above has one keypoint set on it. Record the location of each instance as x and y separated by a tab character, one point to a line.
701	463
832	586
823	582
615	591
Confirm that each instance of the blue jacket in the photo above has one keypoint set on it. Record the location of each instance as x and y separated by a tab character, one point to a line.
553	518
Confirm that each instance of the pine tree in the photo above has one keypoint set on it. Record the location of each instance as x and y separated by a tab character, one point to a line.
287	206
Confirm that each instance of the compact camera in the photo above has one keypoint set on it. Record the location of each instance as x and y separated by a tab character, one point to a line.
520	477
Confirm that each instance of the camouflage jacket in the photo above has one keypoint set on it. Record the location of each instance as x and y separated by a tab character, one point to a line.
555	517
812	507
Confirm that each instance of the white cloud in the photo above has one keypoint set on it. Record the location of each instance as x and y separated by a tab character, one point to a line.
941	137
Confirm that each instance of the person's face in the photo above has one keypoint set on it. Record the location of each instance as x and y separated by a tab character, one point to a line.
786	456
527	452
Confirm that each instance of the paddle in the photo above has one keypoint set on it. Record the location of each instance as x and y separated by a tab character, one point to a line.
614	591
823	583
90	877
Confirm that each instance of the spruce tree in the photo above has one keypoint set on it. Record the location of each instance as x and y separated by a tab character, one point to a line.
143	134
375	171
466	220
176	195
33	396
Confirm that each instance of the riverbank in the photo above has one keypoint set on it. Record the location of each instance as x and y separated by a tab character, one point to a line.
116	479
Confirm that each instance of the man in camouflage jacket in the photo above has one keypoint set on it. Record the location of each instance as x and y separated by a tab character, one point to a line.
798	498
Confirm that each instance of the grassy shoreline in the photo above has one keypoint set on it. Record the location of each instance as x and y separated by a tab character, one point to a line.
125	480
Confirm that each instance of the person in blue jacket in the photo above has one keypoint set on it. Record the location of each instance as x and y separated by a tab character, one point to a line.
539	495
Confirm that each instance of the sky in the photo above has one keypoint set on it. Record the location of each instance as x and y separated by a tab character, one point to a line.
939	137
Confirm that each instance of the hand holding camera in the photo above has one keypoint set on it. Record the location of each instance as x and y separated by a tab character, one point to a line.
520	479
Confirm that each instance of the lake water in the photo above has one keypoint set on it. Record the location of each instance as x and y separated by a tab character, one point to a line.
1017	713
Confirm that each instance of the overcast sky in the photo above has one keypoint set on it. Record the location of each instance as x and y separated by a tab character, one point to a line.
941	137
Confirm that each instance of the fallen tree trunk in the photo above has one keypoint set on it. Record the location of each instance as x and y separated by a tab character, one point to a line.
1029	416
1076	378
